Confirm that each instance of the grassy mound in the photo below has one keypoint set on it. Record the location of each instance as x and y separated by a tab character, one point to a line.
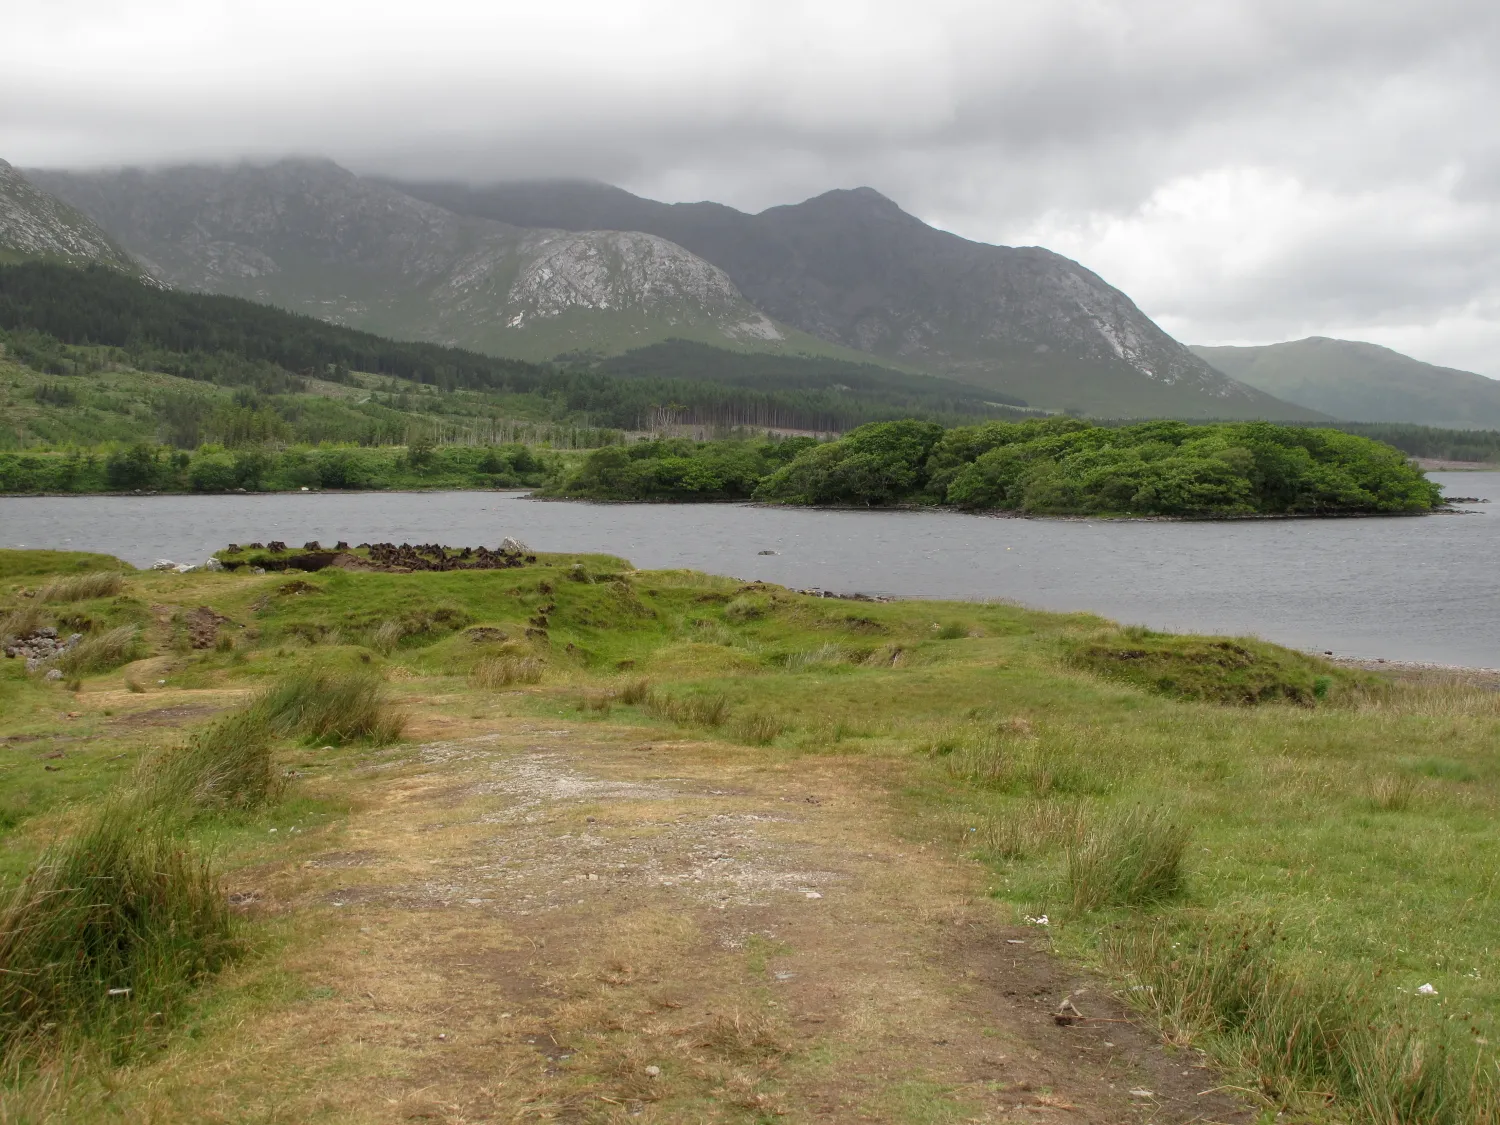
26	564
1238	670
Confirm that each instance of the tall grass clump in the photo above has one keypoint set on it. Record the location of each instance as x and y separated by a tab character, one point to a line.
109	927
231	764
81	587
101	651
331	707
1020	830
698	710
21	622
503	671
759	729
824	656
1132	859
1312	1031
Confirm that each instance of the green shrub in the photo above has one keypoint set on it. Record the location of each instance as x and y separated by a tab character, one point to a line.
1133	859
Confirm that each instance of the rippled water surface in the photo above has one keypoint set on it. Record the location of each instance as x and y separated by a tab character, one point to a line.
1423	588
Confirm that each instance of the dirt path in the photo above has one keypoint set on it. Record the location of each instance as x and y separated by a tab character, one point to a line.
573	925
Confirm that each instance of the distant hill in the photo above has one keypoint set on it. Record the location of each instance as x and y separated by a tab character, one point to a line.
34	224
1363	382
853	268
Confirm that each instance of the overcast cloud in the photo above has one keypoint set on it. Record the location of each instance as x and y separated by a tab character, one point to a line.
1248	170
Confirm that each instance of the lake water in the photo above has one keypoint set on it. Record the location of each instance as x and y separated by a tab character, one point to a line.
1416	588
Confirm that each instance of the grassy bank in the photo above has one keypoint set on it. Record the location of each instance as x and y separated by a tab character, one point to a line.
1269	854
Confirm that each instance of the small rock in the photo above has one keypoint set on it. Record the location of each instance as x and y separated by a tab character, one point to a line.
53	674
163	564
213	564
813	894
1426	990
1140	1092
513	546
653	1072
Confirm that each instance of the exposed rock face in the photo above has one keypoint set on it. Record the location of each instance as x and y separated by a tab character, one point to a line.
34	224
853	268
309	235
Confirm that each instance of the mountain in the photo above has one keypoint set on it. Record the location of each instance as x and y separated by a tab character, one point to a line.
309	236
853	268
536	271
1363	382
34	224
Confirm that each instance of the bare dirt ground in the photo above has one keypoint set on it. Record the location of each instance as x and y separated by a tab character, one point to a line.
526	923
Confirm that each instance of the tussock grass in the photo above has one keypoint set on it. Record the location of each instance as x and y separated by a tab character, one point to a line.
82	587
696	710
1012	757
101	651
824	656
331	707
110	926
952	631
1303	1029
1021	831
387	637
633	692
230	764
21	622
1393	792
759	729
503	671
1132	859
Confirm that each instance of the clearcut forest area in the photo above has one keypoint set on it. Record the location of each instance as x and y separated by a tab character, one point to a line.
383	833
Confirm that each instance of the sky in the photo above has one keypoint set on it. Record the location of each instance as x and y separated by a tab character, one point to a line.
1247	170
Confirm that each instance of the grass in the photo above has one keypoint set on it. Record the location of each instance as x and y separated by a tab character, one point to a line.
331	707
1134	859
30	564
112	925
82	587
100	652
1214	669
1356	812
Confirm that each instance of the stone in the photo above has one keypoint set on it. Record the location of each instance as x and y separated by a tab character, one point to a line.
53	674
512	546
163	564
213	564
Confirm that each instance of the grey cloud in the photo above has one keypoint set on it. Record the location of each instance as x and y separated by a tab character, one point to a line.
993	120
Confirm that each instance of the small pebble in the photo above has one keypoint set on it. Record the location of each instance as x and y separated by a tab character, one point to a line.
653	1072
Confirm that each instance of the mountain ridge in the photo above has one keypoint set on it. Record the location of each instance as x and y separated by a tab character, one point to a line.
35	224
1363	382
590	269
850	265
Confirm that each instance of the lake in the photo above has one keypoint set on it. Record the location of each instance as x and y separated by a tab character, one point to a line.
1412	588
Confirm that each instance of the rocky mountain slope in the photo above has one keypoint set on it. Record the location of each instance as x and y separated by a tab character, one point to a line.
535	271
34	224
852	267
310	236
1363	382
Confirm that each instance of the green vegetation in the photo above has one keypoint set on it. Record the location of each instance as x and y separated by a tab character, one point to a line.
1272	853
1053	466
87	335
1428	441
